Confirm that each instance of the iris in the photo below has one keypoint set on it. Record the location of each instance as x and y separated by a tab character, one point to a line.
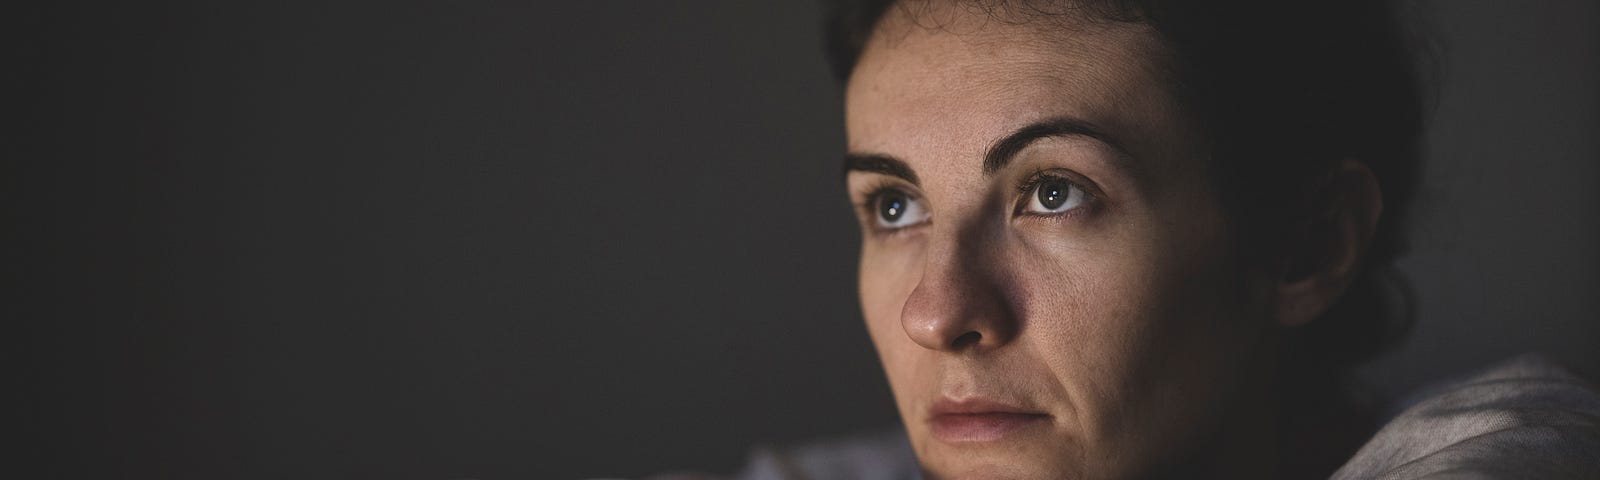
1053	194
893	206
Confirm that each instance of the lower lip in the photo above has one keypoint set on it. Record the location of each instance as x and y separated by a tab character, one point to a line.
982	427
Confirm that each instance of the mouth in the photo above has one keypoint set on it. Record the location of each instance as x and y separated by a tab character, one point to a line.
980	420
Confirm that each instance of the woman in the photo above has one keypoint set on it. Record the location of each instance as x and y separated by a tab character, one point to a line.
1088	239
1110	239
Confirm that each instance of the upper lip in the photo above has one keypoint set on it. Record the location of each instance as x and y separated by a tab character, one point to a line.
976	406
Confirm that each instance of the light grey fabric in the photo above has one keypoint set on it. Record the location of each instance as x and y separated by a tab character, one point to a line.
885	455
1526	418
882	455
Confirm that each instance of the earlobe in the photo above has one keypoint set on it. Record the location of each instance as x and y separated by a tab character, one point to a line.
1330	248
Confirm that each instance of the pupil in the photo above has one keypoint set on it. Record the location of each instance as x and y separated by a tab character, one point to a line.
893	207
1052	195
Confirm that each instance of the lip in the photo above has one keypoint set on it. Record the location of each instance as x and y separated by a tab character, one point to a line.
979	420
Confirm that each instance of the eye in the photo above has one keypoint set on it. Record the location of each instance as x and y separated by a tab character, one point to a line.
1051	195
895	209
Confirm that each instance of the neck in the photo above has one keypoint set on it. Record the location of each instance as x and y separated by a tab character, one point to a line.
1295	421
1241	441
1320	426
1245	444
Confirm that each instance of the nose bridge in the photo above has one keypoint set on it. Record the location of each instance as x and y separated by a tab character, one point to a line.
963	251
961	301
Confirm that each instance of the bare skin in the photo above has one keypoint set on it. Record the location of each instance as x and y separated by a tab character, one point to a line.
1103	328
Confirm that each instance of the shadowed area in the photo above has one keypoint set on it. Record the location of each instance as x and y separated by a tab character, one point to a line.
505	240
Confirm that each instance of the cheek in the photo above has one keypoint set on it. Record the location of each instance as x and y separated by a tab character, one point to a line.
1137	327
889	271
888	274
886	278
1085	321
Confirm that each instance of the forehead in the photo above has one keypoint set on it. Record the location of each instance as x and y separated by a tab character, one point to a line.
953	80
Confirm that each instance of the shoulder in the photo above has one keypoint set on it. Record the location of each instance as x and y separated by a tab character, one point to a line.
1525	418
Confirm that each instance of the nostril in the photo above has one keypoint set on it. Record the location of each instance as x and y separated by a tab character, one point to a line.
966	339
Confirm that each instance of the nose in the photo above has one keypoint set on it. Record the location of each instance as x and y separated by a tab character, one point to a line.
961	302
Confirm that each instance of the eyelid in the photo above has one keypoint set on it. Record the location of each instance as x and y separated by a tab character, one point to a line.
1091	192
877	189
867	209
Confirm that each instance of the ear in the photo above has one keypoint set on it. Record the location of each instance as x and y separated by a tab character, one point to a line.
1327	252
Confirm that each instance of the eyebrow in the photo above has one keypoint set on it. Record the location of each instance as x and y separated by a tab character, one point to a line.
884	164
998	155
1007	148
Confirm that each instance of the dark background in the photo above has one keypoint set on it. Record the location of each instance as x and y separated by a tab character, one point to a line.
552	240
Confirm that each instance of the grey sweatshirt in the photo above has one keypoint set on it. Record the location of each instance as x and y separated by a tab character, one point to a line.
1526	418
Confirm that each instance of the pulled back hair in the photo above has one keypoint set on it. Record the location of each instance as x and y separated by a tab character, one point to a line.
1284	94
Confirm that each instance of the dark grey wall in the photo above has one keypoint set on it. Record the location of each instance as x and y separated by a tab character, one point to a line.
1506	242
504	240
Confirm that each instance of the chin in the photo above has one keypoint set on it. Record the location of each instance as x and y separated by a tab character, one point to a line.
997	468
1021	455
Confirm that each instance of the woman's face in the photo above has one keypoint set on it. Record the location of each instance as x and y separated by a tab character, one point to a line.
1045	268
